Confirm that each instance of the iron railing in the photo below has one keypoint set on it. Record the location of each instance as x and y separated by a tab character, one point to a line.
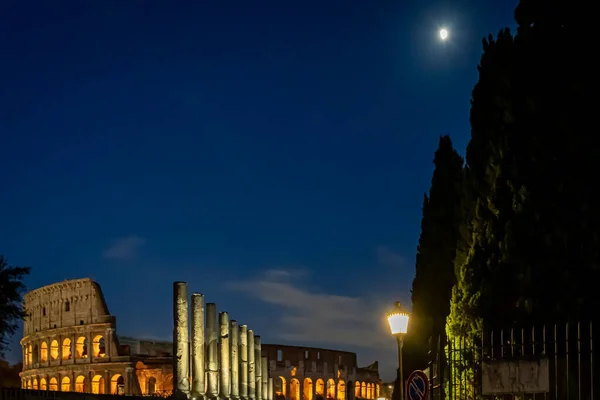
562	353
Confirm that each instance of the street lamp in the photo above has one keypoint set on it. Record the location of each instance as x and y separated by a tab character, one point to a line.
398	319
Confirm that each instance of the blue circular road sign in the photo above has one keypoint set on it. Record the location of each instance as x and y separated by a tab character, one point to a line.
417	386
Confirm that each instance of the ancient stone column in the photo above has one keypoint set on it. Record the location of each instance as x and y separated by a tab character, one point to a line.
198	345
258	367
212	389
180	339
235	362
224	364
129	376
251	366
264	376
107	385
270	389
244	362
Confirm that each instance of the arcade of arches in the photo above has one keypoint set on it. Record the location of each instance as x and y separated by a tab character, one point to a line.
321	390
309	373
98	384
43	351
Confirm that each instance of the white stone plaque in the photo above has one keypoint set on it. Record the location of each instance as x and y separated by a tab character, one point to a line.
513	377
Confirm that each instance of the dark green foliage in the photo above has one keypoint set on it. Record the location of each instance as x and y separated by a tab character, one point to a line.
532	233
434	277
492	118
9	374
11	310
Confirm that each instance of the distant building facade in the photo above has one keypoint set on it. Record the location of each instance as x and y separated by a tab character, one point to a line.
70	344
306	373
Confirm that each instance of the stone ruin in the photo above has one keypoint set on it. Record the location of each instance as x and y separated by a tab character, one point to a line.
220	359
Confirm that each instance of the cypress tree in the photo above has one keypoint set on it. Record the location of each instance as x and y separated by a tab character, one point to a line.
533	231
492	119
529	244
434	269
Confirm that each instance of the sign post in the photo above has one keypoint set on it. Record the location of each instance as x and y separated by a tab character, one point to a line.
417	386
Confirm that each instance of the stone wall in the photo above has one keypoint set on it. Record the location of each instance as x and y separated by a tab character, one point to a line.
145	347
309	356
65	304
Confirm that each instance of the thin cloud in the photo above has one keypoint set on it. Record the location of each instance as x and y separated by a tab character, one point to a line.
309	317
125	248
388	258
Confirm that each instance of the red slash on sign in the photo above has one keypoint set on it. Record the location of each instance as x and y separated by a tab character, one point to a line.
417	386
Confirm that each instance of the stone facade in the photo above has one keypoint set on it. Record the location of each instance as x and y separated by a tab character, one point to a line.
70	344
306	373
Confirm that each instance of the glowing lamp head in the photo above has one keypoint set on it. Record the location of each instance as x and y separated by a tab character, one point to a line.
398	320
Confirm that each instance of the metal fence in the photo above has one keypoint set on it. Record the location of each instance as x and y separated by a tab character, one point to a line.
551	362
10	393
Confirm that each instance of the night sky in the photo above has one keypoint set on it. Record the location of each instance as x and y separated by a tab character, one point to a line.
273	154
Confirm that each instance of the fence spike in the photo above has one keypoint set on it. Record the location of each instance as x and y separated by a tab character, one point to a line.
591	364
555	361
579	359
567	357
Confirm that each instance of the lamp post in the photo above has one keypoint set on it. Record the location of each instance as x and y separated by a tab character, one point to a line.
398	319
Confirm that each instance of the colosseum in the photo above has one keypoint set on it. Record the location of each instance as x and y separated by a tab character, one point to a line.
70	344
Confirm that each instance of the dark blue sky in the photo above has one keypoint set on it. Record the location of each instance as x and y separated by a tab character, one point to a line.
273	154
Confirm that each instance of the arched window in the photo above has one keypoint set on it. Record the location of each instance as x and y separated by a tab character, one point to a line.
54	351
53	384
65	384
307	387
280	387
330	389
294	389
80	384
98	384
44	352
151	386
81	347
117	384
66	349
341	390
320	387
98	347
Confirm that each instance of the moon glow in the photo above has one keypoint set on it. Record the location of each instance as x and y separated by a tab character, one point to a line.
443	34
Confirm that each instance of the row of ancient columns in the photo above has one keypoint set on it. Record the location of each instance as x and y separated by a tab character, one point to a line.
227	365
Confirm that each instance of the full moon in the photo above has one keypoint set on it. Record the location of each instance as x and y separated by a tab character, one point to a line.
443	34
